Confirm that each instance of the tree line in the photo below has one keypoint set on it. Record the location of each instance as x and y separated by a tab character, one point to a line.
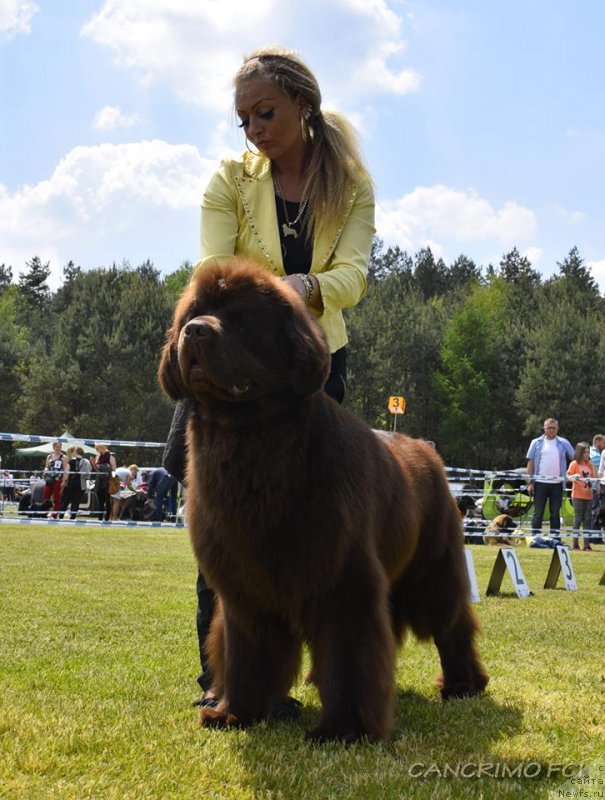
482	355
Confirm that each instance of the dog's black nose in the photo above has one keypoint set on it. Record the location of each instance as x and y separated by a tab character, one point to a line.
198	328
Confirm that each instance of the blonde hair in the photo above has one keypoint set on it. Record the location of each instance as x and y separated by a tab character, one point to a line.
335	159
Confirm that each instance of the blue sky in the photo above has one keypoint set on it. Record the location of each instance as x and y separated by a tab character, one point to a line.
483	123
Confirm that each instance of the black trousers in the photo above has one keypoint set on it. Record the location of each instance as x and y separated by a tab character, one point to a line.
553	492
174	459
72	496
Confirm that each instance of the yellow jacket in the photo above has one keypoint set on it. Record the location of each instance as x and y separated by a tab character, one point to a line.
239	218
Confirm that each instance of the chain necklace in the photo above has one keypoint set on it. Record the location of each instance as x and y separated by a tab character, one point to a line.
288	227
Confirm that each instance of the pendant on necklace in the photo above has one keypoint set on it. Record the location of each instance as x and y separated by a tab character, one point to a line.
289	231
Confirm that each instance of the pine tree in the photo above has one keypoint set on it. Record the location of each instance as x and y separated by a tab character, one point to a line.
33	283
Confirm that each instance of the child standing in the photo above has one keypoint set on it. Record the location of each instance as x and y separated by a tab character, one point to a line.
581	472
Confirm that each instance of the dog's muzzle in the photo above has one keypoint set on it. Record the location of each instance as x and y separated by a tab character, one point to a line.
195	335
201	327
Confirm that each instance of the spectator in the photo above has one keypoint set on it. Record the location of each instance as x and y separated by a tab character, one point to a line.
134	475
582	472
597	447
601	474
74	480
546	467
7	488
55	467
124	475
32	501
162	488
123	491
132	498
104	464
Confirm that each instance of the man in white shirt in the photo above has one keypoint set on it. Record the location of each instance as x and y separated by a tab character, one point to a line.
546	466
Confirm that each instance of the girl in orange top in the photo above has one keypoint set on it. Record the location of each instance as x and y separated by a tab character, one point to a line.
581	473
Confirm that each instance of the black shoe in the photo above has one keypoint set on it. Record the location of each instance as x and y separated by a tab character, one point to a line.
287	710
206	702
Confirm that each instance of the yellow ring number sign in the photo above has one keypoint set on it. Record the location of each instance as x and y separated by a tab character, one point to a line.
397	405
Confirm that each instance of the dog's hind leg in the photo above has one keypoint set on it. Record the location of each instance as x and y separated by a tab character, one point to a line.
433	598
463	673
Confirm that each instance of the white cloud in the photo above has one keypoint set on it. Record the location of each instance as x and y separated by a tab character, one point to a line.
450	219
196	48
15	17
106	203
597	269
379	10
375	74
111	118
569	217
533	254
192	47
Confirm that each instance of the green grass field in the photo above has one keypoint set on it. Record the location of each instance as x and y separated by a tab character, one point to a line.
98	659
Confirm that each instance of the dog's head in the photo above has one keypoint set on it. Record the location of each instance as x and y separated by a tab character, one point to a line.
241	335
503	523
465	504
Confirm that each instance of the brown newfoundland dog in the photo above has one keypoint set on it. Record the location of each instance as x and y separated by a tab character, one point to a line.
309	526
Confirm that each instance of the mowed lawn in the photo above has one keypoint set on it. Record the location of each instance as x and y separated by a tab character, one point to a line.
98	659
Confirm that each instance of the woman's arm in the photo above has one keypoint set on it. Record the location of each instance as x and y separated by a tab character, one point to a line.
344	283
219	223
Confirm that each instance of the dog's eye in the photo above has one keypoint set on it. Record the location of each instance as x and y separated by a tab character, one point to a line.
196	311
239	320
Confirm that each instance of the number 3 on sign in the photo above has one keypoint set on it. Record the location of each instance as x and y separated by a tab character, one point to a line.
397	405
561	563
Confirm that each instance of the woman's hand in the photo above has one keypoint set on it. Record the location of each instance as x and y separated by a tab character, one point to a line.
298	283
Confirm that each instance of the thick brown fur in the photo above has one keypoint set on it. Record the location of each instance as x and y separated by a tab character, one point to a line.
309	526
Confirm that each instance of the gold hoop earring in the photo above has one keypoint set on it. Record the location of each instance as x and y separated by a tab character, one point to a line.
305	129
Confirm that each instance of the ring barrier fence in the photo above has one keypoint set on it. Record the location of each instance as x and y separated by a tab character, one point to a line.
463	481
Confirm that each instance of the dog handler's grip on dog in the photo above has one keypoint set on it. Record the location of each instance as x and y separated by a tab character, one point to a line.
301	204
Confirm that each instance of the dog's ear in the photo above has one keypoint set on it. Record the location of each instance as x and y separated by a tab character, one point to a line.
169	373
308	354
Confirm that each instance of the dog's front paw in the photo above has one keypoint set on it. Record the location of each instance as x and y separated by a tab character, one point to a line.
218	717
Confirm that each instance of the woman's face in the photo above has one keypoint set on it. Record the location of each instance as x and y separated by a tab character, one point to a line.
269	117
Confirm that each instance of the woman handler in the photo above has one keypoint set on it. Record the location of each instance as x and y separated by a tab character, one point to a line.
302	206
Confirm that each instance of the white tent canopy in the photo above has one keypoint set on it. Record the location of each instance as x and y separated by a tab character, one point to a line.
45	448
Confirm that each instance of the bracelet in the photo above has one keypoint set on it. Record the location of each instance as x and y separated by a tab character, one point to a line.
307	286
